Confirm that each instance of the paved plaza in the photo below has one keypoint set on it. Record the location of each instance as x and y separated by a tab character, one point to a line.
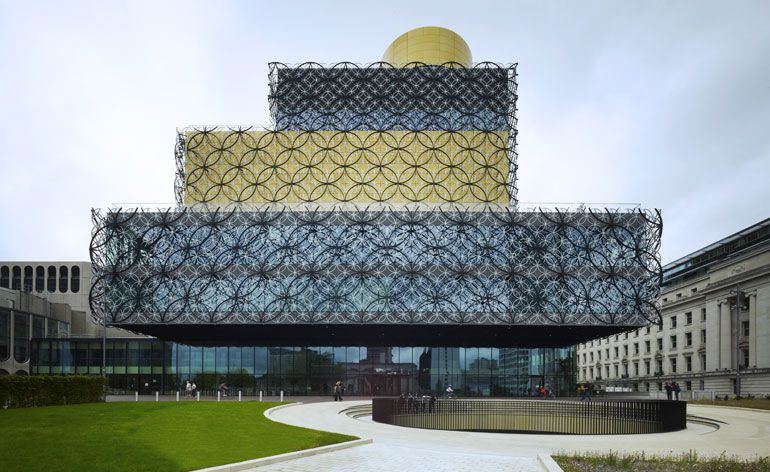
744	433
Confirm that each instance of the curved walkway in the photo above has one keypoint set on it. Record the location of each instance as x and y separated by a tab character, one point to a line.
744	433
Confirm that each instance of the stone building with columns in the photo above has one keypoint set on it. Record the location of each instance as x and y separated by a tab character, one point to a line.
715	319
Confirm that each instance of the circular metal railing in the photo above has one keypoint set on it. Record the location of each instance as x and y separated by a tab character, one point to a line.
606	416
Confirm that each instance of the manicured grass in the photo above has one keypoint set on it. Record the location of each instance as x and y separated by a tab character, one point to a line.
614	462
761	404
146	436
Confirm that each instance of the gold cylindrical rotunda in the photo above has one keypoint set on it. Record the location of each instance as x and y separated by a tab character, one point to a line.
430	45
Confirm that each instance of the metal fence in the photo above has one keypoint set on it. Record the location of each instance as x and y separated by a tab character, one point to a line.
604	416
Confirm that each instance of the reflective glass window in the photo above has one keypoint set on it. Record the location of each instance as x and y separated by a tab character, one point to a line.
234	360
209	360
94	358
4	277
156	359
472	365
63	279
494	373
67	357
261	373
39	279
51	282
21	337
34	357
44	357
247	359
119	353
5	334
183	360
16	278
27	287
145	358
80	359
75	279
52	329
196	360
38	327
221	360
55	357
132	358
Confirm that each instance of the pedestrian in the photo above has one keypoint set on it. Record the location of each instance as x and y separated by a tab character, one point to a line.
193	389
409	402
188	389
432	404
338	391
668	388
677	389
589	391
581	390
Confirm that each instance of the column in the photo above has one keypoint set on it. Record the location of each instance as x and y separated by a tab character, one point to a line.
725	335
712	335
753	330
761	308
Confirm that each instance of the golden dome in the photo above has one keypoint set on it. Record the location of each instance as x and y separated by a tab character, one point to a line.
430	45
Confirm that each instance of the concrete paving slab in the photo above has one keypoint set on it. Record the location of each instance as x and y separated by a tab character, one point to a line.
743	433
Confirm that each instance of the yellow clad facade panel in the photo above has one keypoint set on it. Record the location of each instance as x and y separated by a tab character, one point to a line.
346	166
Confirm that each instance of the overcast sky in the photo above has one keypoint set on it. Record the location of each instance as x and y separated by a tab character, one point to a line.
663	103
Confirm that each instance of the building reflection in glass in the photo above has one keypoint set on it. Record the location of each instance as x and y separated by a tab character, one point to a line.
150	365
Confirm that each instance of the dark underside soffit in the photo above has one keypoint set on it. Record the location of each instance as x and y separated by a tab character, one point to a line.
376	335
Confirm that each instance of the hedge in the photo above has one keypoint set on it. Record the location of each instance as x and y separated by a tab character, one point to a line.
18	391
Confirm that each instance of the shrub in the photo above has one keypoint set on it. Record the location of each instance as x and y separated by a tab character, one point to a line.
18	391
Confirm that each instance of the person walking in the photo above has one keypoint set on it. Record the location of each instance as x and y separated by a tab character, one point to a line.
581	390
188	389
668	388
338	391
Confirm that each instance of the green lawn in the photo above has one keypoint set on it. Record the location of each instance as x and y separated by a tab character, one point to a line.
147	436
614	462
761	404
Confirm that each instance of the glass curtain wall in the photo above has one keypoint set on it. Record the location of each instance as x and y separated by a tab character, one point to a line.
150	365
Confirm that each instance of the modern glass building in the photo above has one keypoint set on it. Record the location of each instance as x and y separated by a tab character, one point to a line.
151	365
379	211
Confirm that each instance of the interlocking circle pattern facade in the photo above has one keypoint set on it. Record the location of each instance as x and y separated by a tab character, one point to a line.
347	133
385	265
381	196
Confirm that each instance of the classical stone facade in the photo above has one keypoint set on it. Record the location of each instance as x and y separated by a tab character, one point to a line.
696	343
